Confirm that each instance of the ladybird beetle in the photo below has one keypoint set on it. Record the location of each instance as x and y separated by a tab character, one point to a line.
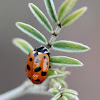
38	64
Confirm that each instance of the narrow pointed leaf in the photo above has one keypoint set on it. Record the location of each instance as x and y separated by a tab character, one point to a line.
40	17
57	96
53	91
23	45
64	98
32	32
69	46
55	73
63	83
51	10
65	8
70	96
71	91
63	61
73	17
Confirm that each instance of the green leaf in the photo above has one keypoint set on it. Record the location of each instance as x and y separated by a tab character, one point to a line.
71	91
62	69
23	45
69	46
73	17
70	96
53	83
57	85
65	8
32	32
64	61
63	83
63	98
53	91
40	17
55	73
51	10
57	96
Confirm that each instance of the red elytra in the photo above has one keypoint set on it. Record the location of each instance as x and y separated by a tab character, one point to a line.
37	66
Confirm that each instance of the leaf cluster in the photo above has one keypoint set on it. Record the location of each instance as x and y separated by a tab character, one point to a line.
62	19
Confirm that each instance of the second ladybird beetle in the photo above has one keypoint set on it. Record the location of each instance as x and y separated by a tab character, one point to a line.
38	64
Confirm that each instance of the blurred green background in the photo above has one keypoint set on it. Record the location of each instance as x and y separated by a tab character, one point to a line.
86	30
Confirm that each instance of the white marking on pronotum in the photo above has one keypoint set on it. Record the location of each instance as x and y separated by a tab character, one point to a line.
39	53
34	51
45	52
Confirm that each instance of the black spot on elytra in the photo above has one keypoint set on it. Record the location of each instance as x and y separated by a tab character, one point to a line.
29	78
30	59
35	54
37	80
28	67
44	57
49	66
37	61
47	63
37	69
43	73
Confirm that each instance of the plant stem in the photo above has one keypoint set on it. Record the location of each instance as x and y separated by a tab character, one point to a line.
26	88
53	37
17	92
